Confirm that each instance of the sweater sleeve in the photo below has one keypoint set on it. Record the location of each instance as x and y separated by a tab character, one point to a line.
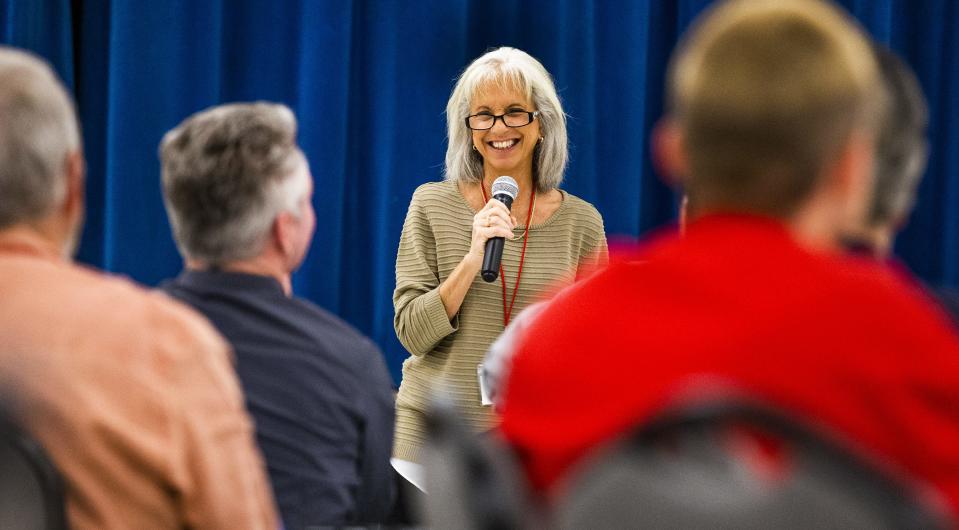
419	315
595	250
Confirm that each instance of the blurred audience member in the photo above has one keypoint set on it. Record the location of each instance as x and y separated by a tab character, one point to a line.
901	152
238	192
771	129
950	300
495	369
132	395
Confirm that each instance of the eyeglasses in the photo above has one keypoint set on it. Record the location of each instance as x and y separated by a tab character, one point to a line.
485	121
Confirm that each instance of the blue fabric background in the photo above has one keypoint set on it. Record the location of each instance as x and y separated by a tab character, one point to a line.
369	82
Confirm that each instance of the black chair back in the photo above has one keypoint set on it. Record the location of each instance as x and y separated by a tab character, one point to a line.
739	466
31	491
472	481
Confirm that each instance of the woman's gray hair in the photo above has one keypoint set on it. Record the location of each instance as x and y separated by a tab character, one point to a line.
508	68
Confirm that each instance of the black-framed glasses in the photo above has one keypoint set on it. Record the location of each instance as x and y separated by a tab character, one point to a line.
514	118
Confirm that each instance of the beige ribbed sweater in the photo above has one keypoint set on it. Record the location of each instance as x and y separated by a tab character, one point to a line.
436	236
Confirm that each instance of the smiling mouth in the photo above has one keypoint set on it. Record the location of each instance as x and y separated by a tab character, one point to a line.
503	145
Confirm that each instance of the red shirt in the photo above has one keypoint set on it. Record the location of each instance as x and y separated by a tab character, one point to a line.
839	341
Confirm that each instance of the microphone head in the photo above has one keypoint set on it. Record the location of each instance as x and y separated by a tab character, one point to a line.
505	185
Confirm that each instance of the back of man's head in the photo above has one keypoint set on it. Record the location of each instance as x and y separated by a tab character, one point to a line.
38	132
228	172
901	146
766	94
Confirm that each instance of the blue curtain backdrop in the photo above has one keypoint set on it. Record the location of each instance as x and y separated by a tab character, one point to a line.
369	82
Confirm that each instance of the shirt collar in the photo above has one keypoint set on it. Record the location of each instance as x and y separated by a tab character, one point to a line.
220	279
859	247
740	220
24	241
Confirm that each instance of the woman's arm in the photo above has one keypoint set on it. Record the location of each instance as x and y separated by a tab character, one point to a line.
425	308
453	290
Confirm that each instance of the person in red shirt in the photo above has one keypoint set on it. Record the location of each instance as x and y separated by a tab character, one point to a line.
771	128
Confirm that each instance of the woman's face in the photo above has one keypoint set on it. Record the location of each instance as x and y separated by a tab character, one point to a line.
505	150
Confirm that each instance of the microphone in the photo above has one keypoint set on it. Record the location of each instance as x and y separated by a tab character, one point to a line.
505	189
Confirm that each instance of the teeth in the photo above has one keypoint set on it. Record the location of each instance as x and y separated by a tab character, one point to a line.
505	144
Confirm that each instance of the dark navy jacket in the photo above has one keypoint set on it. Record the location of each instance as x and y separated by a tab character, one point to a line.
950	301
318	391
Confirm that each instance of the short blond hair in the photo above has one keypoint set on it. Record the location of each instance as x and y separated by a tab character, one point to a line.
507	67
766	93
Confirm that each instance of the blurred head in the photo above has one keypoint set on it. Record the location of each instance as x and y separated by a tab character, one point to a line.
236	184
770	98
901	148
41	166
500	81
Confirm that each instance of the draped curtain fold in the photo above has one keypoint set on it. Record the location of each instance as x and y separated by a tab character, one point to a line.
369	81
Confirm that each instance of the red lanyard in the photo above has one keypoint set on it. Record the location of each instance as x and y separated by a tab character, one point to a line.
522	257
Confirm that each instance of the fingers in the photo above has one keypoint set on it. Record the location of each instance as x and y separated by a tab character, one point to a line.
500	220
500	228
497	210
489	224
496	205
493	220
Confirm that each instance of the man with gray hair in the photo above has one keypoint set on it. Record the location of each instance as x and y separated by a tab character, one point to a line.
901	152
132	395
238	192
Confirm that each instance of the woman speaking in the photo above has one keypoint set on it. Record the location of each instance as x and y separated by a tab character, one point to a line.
504	119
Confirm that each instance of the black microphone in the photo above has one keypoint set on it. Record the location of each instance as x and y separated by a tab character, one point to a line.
505	189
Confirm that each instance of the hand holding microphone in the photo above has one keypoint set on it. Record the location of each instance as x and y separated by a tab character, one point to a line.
493	224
